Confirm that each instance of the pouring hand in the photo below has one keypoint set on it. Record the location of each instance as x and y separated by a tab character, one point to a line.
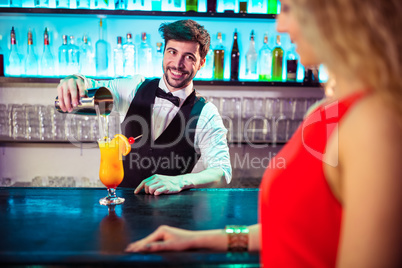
69	91
161	184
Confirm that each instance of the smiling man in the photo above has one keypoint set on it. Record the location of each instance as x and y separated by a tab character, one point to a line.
178	126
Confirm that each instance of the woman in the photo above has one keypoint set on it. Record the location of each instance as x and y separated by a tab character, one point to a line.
338	202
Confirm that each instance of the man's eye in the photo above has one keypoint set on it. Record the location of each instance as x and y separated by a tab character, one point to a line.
190	58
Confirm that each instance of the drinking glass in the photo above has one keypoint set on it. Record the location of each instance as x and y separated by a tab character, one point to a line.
111	171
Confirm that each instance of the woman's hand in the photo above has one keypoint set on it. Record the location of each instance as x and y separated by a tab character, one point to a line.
165	238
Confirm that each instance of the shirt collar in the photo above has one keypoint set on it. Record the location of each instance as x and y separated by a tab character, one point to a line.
181	93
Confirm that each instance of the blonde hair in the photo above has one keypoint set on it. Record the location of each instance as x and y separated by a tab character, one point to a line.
358	38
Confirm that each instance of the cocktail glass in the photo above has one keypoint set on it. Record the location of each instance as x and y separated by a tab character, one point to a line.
111	170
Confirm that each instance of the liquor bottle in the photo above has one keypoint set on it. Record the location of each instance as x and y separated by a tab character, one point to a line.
192	5
15	3
47	60
228	6
14	60
211	6
207	70
235	59
73	57
257	6
87	62
272	6
63	3
81	4
41	3
291	64
120	4
145	56
31	63
156	5
265	61
103	4
311	74
251	59
158	60
63	57
130	56
1	62
219	59
277	60
101	57
141	5
118	59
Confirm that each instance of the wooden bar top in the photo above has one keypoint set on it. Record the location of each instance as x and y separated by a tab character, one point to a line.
68	226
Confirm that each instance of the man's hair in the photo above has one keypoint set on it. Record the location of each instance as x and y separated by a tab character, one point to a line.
187	30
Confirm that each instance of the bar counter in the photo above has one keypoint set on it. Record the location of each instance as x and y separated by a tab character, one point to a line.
68	226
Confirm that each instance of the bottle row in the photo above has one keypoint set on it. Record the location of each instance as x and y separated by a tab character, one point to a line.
263	63
229	6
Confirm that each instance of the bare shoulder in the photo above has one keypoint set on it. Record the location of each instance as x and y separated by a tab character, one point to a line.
372	120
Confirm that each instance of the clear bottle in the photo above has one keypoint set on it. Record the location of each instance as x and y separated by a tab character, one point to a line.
251	59
235	59
118	58
219	59
277	60
156	5
228	5
31	62
15	3
141	5
87	61
73	57
104	4
192	5
101	50
47	60
130	56
257	6
265	61
41	3
207	70
14	60
158	60
291	64
145	54
83	4
63	3
63	57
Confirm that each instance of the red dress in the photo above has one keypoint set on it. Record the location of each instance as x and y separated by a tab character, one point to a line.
299	215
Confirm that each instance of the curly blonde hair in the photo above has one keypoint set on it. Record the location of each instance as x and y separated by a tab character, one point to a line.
358	38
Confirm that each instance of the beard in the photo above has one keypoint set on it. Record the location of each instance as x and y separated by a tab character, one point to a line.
178	83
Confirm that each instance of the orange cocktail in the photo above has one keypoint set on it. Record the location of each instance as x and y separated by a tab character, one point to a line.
111	170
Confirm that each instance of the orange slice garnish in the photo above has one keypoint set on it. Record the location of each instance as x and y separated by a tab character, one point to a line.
124	145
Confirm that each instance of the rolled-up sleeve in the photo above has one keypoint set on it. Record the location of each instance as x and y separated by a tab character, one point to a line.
211	141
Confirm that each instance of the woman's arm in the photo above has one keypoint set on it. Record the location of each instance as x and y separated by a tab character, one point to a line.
167	238
370	153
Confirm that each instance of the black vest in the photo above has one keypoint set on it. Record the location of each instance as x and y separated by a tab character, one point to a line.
172	153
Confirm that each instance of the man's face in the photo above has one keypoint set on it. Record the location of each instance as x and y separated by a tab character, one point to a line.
181	62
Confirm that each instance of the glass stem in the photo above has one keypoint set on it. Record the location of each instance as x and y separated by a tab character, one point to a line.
111	193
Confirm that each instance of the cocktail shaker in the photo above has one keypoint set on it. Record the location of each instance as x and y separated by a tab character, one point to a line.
97	98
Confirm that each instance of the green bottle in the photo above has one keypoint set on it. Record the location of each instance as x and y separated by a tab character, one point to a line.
272	7
219	59
192	5
277	60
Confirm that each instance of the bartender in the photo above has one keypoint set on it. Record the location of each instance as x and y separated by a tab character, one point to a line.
178	126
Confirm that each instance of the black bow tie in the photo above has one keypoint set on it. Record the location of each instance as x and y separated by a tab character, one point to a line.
160	93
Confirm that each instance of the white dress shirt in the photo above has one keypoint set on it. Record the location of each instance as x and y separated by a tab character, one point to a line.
210	134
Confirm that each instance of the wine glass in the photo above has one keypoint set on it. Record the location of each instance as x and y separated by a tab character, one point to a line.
111	170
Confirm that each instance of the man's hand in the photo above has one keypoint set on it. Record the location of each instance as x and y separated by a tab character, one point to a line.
69	91
161	184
